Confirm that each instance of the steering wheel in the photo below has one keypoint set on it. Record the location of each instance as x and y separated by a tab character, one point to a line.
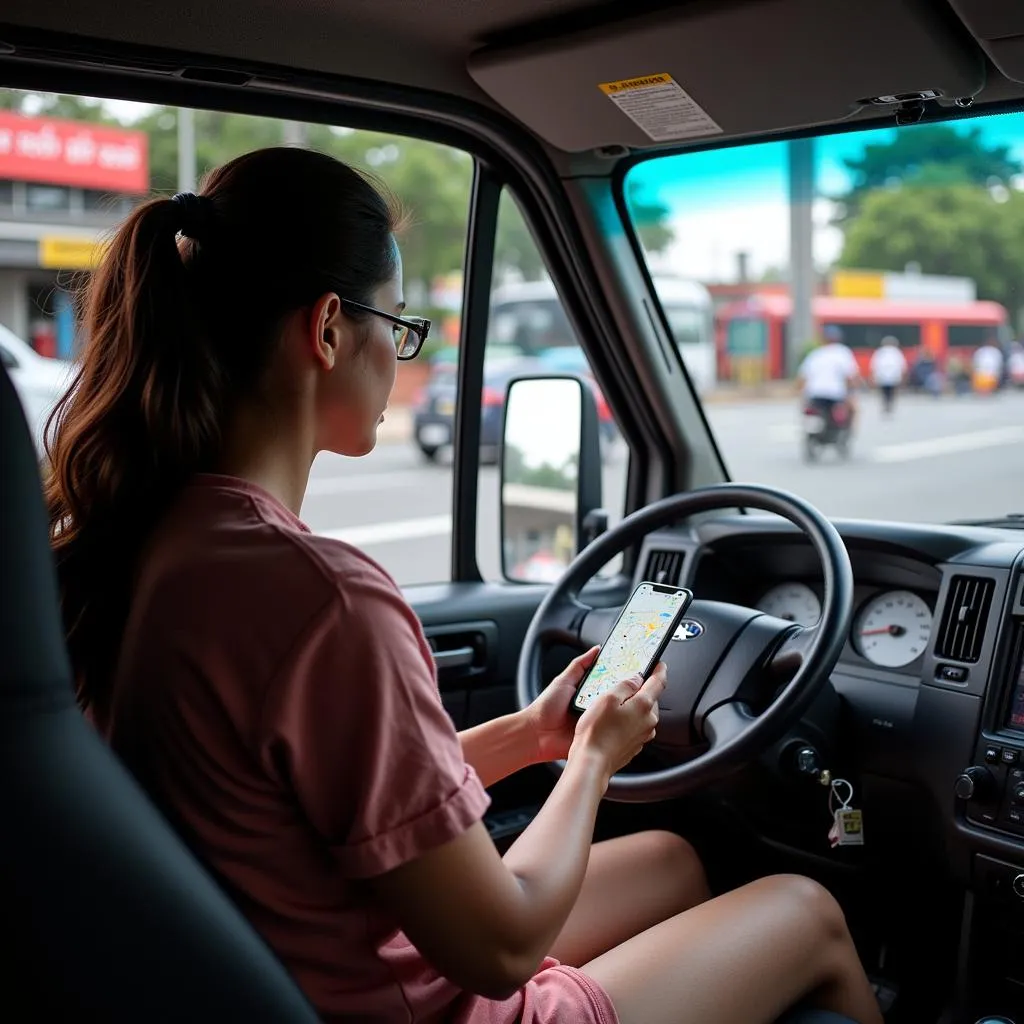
739	678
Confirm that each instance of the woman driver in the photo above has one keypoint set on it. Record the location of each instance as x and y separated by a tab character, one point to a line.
274	692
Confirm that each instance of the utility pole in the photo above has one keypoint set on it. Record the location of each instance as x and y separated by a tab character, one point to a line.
186	149
294	133
801	250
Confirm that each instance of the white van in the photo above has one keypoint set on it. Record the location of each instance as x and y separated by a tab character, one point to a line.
529	316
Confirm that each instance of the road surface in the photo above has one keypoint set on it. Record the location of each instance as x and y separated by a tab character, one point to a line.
934	461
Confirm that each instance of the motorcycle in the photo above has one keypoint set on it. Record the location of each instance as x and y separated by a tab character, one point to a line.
826	423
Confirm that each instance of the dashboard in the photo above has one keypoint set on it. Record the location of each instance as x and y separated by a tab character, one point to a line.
930	683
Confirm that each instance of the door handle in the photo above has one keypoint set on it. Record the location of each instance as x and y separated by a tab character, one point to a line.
454	657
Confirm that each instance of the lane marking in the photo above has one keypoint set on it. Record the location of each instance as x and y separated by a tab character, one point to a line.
908	451
396	530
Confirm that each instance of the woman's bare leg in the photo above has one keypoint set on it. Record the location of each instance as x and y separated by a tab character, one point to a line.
746	956
632	883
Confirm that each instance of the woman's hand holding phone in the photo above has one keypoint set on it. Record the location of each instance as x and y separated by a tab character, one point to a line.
620	722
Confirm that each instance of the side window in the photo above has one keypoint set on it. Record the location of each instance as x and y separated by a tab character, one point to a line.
394	503
529	332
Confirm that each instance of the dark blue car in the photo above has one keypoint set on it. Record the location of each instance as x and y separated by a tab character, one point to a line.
434	416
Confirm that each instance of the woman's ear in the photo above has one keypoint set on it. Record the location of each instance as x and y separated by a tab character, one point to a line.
328	330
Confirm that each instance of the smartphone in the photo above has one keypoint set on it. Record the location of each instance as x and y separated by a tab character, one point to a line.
637	640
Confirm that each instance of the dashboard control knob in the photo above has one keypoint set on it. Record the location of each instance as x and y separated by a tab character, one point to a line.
974	783
1018	793
1018	885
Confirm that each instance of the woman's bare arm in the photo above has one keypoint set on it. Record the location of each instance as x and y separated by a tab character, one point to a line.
486	923
500	747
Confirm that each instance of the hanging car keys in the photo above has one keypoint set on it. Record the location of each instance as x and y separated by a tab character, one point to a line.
847	821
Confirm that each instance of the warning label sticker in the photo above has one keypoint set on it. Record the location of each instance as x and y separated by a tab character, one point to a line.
660	106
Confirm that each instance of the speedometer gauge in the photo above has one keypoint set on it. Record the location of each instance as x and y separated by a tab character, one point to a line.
893	629
793	601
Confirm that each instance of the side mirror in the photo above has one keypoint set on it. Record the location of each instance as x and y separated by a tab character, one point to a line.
550	476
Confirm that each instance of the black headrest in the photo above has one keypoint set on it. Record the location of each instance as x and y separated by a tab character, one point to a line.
33	660
104	913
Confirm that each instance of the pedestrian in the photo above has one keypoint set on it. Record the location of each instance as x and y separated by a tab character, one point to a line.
888	369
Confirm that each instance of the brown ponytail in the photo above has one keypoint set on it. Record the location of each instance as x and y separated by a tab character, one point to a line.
168	354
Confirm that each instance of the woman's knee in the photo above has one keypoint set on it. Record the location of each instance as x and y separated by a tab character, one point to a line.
811	904
675	862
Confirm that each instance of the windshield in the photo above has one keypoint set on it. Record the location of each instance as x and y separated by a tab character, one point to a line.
867	292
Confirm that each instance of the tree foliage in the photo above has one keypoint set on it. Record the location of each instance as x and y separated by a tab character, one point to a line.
932	154
962	230
940	197
432	181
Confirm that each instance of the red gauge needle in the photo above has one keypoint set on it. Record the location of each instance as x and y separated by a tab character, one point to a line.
891	630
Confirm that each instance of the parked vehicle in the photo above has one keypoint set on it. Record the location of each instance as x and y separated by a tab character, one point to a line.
529	315
754	332
434	415
40	382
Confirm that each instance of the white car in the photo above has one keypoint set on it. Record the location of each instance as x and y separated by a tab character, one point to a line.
40	382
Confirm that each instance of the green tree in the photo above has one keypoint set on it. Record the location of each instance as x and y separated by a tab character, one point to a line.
514	246
936	154
71	108
649	217
948	229
550	477
432	181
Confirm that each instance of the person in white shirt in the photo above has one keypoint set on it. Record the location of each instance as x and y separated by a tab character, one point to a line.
829	371
988	368
888	368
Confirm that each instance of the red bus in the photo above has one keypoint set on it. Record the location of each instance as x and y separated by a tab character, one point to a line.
751	335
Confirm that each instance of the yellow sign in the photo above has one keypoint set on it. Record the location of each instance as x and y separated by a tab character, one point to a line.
69	253
660	107
858	284
645	82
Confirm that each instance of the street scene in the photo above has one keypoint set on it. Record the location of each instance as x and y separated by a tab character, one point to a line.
780	280
949	457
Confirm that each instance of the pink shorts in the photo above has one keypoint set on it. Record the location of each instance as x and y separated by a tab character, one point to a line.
556	994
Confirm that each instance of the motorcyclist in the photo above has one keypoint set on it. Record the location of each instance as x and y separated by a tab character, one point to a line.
828	375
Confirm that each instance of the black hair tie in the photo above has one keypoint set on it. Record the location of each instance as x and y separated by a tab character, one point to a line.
194	214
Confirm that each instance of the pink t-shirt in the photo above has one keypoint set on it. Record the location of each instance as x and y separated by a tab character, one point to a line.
276	696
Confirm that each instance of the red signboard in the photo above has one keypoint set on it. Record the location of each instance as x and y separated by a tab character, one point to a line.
73	153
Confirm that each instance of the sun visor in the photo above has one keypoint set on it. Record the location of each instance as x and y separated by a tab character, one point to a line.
711	69
998	25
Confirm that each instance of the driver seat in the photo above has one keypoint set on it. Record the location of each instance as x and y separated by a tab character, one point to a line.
107	914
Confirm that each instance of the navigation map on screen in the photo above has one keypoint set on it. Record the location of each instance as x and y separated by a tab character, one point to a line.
634	641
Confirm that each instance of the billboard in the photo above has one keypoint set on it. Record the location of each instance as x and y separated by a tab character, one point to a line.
73	153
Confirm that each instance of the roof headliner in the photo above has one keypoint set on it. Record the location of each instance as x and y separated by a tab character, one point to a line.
428	44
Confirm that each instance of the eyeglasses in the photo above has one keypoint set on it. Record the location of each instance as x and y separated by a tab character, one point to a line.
410	331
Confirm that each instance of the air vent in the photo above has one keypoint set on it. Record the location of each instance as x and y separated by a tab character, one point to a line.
963	621
664	567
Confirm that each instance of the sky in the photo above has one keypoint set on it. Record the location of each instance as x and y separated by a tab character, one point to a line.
736	200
